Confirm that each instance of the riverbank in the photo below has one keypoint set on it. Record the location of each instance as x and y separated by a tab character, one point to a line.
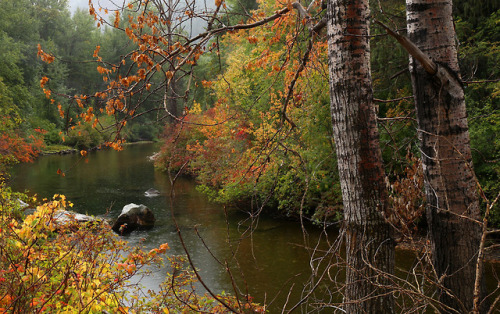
58	150
64	149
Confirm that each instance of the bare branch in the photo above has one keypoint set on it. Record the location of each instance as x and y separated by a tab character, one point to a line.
481	82
429	65
392	100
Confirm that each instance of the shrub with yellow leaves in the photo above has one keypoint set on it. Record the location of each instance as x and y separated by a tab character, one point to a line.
47	267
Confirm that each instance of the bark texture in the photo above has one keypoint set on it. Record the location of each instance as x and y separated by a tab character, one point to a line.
450	185
369	239
171	99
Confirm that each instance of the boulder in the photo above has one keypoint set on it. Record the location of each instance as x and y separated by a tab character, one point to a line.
154	157
133	217
72	221
64	216
22	204
152	193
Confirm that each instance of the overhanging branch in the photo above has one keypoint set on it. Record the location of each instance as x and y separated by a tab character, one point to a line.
429	65
447	78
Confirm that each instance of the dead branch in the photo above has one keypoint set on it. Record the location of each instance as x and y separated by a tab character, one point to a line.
429	65
392	100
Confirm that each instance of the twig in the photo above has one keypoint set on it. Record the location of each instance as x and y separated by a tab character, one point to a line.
480	256
392	100
482	81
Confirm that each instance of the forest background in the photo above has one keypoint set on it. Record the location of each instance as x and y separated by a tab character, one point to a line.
231	136
239	88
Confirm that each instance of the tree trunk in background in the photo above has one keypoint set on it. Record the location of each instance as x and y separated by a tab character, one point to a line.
171	99
450	185
369	239
171	88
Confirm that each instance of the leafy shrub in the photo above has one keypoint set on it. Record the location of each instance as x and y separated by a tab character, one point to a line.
49	267
84	137
53	138
479	56
17	143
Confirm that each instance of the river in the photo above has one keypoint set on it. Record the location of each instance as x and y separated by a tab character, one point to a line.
271	259
271	263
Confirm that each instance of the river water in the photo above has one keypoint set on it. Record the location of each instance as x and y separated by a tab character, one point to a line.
271	263
271	259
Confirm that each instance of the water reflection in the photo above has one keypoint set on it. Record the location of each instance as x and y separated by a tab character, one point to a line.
261	262
270	260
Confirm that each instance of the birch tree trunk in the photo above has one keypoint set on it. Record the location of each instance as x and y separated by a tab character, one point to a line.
369	239
450	185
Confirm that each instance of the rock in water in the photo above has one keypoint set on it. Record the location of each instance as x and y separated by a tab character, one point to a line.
152	193
64	216
133	217
154	157
70	221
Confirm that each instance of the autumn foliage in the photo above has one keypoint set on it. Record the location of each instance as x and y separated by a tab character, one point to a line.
49	266
19	149
16	147
253	136
17	144
247	106
257	130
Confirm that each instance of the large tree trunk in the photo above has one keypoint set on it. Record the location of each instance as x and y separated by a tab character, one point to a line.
369	239
450	185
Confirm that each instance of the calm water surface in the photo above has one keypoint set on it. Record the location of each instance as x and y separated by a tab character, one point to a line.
272	259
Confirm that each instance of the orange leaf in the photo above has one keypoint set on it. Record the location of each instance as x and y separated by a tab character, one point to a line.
96	51
117	19
43	81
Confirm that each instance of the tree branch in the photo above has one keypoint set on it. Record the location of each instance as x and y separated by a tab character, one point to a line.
392	100
429	65
304	14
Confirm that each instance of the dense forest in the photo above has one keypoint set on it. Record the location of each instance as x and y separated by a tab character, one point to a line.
242	84
243	104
